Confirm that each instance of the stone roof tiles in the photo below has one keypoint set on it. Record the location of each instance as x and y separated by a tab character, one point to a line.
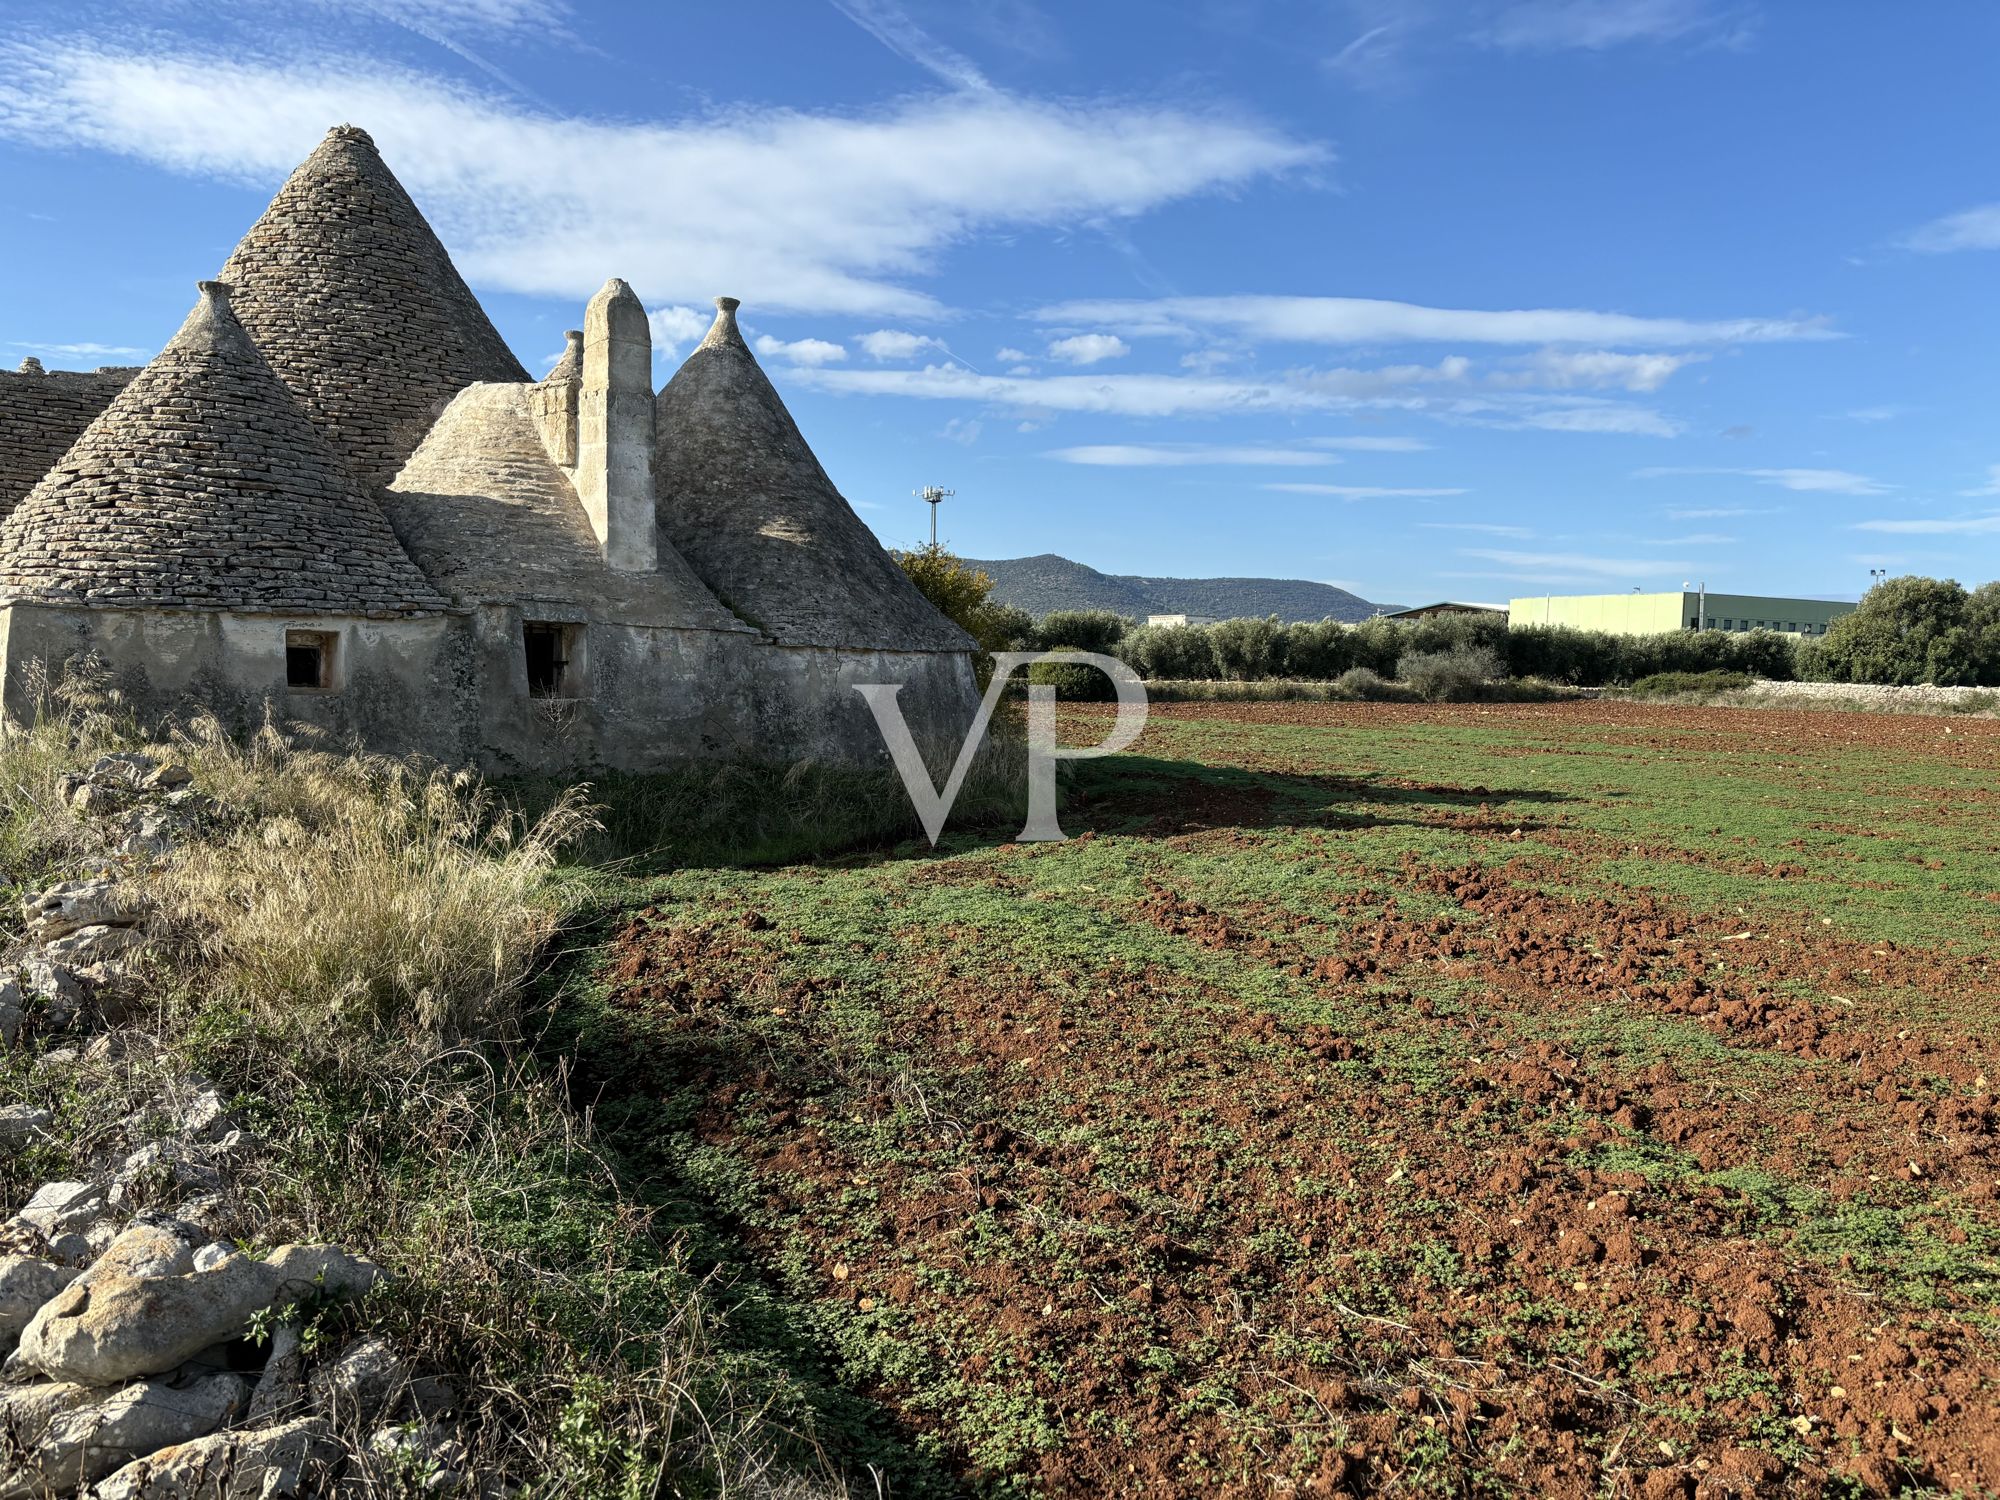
358	308
747	504
492	518
41	413
204	486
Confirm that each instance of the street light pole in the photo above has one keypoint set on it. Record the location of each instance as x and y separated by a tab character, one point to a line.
932	496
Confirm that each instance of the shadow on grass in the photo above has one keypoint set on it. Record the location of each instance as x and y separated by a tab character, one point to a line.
1139	794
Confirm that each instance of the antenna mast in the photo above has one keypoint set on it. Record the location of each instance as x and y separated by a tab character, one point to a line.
932	496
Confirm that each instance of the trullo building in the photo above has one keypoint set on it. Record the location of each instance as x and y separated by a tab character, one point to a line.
338	494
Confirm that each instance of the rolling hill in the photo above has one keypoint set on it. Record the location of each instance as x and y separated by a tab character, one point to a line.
1048	582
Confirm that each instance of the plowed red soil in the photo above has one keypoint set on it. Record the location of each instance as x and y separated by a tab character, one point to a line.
1454	1241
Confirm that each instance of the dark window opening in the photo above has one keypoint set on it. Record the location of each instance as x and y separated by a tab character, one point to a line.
308	660
550	652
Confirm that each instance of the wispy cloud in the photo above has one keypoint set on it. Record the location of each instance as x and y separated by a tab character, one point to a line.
849	208
1364	491
1972	229
1990	487
1596	25
1980	525
1364	320
801	351
1817	481
1724	512
891	25
1573	563
1693	539
1562	370
1139	395
1480	528
1089	348
78	351
1189	455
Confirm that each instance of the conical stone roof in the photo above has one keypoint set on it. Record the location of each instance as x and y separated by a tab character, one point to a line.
358	308
204	486
745	502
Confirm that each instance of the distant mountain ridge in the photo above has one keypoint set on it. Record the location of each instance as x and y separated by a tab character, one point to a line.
1048	582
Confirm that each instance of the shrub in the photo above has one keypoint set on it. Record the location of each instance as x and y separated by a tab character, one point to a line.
1074	681
1366	684
1912	630
1248	650
1665	684
964	596
1319	651
1097	630
1168	651
1451	676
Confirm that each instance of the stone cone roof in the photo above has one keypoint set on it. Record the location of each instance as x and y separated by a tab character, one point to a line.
358	308
491	518
204	486
745	502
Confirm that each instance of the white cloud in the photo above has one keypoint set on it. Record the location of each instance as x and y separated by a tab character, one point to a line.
1724	513
79	351
1595	25
1362	491
800	351
1427	389
482	15
1812	481
1560	370
1694	539
963	430
1009	355
892	27
1483	528
1185	455
893	343
849	207
1992	485
1985	525
1974	229
1089	348
672	327
1574	563
1371	444
1364	320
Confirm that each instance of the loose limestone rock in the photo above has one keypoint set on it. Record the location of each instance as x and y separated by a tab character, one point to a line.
292	1458
63	909
27	1410
21	1123
118	1326
26	1285
86	1442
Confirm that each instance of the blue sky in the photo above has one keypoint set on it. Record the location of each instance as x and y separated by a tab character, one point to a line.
1428	299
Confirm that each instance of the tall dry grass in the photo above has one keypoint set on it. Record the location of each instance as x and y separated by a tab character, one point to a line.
365	899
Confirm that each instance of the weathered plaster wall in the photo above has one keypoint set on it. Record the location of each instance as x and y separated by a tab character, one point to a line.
456	687
402	686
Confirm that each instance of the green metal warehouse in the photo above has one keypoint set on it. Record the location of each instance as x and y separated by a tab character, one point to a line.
1657	614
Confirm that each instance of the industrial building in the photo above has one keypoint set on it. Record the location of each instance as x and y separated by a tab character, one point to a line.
1658	614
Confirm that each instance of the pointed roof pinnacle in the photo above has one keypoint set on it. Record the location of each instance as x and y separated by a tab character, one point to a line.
723	331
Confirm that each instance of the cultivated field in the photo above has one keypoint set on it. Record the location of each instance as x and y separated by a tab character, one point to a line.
1573	1099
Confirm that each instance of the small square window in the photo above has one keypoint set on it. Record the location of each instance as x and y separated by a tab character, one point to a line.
553	651
309	660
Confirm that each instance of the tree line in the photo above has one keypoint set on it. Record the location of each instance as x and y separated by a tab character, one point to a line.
1905	631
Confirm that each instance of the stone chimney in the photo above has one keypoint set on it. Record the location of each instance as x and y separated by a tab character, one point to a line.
614	449
554	400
